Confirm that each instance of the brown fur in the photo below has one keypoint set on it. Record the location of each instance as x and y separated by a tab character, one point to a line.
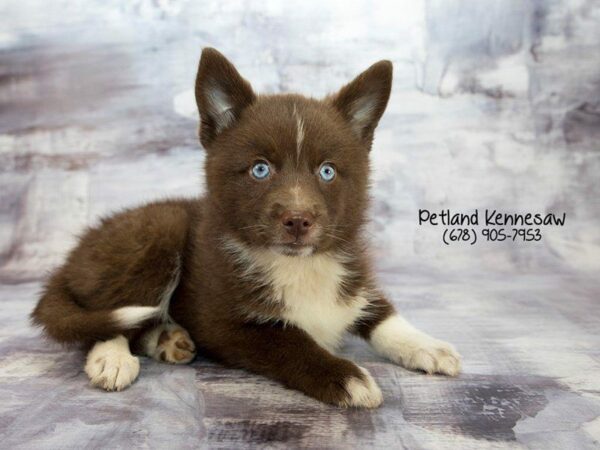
130	257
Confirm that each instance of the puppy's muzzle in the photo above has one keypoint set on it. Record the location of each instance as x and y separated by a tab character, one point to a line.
297	223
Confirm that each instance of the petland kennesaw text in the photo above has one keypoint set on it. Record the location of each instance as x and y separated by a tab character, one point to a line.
492	218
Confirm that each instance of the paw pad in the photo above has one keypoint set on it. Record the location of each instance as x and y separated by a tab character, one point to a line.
175	346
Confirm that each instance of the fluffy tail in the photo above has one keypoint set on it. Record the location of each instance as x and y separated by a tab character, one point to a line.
64	320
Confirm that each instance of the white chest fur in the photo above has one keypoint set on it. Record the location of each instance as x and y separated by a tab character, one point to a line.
308	289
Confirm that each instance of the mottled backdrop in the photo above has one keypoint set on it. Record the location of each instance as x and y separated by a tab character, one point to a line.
495	104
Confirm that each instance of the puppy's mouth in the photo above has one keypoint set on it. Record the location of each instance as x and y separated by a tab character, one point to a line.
296	248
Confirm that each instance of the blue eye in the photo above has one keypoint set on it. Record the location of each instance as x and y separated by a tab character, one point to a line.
261	170
327	172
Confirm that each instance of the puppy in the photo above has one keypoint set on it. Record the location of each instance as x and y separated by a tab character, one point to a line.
267	271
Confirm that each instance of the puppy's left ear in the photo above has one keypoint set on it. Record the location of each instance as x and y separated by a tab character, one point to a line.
363	101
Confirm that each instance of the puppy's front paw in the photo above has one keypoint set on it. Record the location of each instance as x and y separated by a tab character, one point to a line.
396	339
431	356
110	365
362	392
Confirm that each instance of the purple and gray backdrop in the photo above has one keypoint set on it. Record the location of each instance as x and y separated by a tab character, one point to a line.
495	104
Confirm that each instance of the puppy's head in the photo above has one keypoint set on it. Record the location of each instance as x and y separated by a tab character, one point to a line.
283	171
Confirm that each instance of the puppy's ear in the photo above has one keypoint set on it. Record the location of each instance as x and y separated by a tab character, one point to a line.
363	101
221	94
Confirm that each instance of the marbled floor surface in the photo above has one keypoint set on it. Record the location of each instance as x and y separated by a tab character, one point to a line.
495	105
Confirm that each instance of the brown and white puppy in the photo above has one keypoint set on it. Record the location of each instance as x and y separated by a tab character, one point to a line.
268	271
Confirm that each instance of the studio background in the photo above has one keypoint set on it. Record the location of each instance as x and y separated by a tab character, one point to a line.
495	104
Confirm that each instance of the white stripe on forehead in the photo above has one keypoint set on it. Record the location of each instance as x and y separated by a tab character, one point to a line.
299	133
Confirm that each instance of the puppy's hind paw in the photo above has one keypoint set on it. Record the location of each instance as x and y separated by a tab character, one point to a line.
110	365
170	343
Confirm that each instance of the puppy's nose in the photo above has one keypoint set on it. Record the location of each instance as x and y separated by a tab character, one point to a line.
297	223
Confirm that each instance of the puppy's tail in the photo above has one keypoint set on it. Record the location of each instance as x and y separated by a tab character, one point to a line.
64	320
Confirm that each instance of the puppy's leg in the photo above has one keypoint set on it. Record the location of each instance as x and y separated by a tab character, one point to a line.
292	357
393	337
166	342
111	366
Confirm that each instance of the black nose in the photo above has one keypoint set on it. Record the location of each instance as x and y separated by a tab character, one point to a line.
297	223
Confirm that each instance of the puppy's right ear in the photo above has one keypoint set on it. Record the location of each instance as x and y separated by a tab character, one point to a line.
221	95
